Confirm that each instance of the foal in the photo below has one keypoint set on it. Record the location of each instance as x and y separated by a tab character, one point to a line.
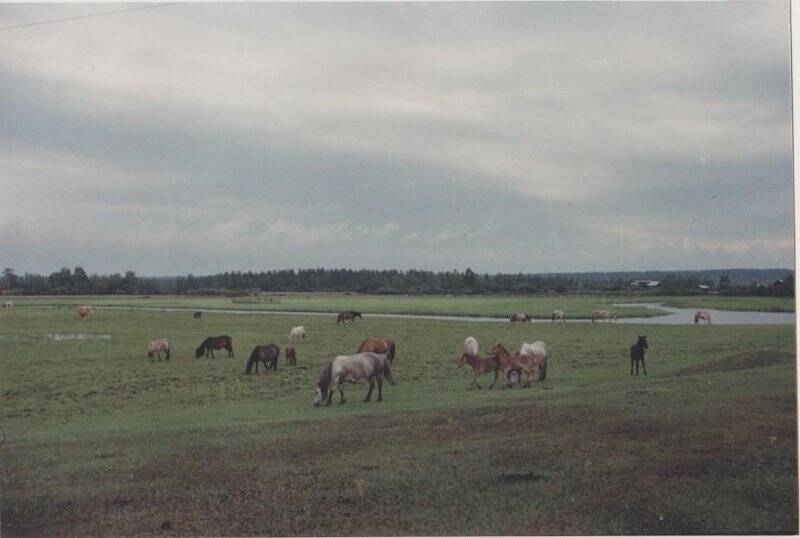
637	354
480	365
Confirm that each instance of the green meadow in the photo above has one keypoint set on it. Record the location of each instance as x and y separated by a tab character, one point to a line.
98	440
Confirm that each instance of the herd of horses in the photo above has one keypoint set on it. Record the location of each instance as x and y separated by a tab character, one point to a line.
373	360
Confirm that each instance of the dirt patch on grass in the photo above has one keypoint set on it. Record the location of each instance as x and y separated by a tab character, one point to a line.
741	361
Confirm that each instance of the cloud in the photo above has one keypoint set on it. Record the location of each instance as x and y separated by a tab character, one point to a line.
504	136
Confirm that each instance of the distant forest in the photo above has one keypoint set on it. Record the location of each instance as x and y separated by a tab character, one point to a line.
66	281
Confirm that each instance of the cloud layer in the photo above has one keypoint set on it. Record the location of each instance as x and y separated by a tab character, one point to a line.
505	137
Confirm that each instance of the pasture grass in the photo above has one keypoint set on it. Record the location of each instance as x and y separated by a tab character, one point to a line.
500	306
98	440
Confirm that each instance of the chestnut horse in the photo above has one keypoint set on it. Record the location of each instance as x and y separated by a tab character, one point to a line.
508	363
291	358
480	365
348	315
268	355
378	345
214	342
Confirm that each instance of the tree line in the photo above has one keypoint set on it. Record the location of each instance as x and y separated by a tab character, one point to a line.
77	281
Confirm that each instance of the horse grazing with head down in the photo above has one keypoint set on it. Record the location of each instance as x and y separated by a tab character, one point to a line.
267	354
370	367
156	346
214	342
348	315
558	315
520	316
378	345
702	315
297	334
84	312
637	354
599	315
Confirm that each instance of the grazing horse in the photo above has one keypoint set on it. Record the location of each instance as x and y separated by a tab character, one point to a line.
156	346
471	346
558	315
599	315
378	345
520	316
370	367
85	311
214	342
198	314
702	315
480	365
348	315
637	354
297	334
518	362
537	350
8	304
267	354
291	358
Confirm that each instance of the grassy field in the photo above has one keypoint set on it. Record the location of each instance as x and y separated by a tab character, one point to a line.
576	307
98	440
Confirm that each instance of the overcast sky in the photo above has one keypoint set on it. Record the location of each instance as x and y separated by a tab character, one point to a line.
533	137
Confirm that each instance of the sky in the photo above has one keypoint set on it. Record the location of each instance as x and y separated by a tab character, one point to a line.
504	137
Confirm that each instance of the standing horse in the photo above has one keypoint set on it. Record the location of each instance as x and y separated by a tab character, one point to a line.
297	334
480	365
471	346
291	358
156	346
371	367
214	342
537	350
85	311
517	363
198	314
520	316
702	315
348	315
558	315
378	345
599	315
637	354
8	304
268	355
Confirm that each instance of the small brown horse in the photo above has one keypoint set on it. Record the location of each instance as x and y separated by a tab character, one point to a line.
637	354
509	363
214	342
702	315
348	315
480	365
520	316
156	346
291	358
268	355
378	345
198	314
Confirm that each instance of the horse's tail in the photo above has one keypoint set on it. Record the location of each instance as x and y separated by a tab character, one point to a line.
326	377
391	351
168	348
543	369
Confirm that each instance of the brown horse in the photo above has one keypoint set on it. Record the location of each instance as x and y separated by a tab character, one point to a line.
85	311
378	345
291	358
509	363
702	315
348	315
214	342
480	365
156	346
268	355
637	354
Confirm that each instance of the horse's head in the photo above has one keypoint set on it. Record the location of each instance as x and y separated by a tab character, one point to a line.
642	342
498	349
199	352
464	359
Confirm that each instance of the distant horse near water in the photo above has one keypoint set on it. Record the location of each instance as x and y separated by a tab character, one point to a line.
370	367
637	354
214	342
600	315
267	355
702	315
348	315
558	315
520	316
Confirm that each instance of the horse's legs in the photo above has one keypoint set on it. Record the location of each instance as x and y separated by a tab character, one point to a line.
496	375
380	389
341	392
643	368
632	361
371	386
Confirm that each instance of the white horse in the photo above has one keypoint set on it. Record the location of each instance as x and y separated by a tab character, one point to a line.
558	315
471	345
156	346
367	366
599	315
8	304
702	315
298	334
537	350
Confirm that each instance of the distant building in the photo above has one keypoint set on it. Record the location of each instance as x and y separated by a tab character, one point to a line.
703	287
645	284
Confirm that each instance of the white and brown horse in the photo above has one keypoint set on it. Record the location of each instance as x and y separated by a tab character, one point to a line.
520	316
84	312
702	315
297	334
558	315
367	366
156	347
600	315
8	305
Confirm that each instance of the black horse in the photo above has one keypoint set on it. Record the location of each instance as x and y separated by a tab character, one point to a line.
214	342
348	315
637	354
198	314
267	354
